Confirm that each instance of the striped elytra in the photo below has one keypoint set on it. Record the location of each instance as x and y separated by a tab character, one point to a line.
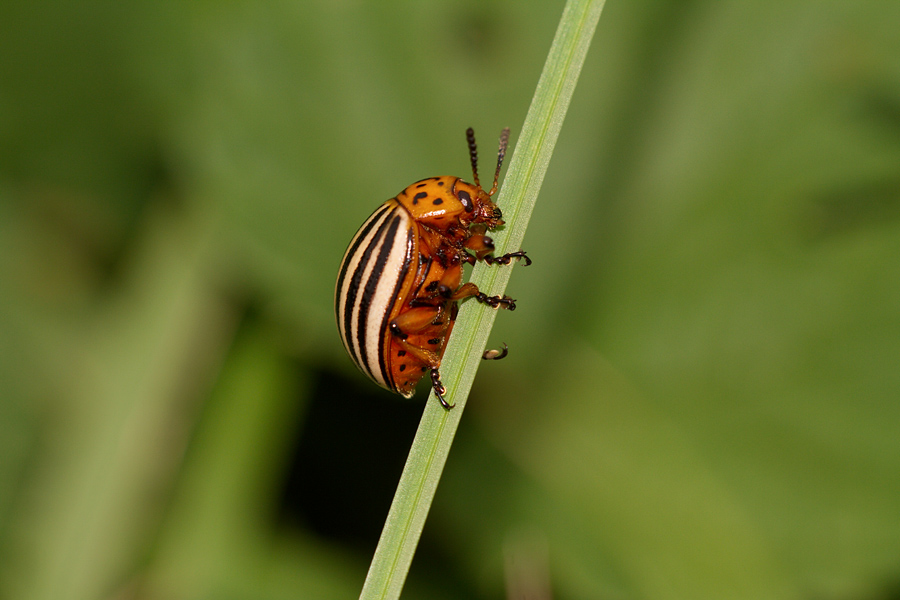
399	283
372	276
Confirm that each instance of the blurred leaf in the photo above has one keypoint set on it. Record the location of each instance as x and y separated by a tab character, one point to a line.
218	533
714	287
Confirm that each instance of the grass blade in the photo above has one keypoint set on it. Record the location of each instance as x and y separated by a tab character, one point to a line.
428	454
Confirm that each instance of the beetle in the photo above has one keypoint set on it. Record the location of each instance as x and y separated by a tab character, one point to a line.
400	282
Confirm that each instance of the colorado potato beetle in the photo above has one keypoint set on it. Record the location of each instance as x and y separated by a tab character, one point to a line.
399	283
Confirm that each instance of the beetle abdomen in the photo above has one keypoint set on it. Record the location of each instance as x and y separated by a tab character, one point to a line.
369	285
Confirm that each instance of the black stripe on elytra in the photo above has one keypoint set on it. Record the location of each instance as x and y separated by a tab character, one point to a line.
351	252
404	270
385	235
353	287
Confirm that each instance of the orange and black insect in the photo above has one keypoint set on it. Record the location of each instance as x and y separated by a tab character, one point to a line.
400	281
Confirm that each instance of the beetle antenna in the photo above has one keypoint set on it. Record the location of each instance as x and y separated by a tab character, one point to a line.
473	153
504	140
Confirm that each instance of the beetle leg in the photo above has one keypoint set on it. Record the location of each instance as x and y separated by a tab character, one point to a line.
496	354
414	320
426	356
507	258
496	301
439	389
470	290
483	246
479	243
411	322
432	359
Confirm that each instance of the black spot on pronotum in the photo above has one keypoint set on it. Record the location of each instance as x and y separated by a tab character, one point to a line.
421	185
440	183
401	353
402	368
420	195
466	200
438	201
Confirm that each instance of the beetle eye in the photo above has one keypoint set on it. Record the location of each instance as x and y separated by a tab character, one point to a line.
466	200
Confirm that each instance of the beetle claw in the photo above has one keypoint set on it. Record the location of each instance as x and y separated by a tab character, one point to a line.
507	258
496	354
496	301
439	389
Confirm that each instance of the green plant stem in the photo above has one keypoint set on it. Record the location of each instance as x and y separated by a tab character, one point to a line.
431	445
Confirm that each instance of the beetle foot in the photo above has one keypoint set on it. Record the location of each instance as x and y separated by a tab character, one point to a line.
439	389
496	301
507	258
496	354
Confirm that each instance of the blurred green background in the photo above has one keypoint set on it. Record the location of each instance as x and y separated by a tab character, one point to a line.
701	398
